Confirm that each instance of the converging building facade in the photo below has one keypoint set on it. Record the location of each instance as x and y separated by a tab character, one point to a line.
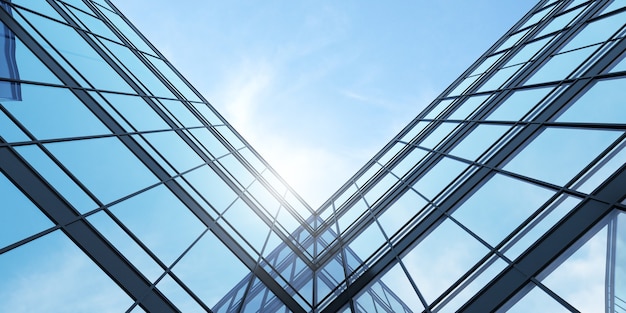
124	190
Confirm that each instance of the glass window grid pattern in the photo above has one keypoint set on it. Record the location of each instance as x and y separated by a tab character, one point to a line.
296	269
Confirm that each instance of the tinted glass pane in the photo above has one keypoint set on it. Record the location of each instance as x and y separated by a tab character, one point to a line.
20	218
207	263
518	104
602	103
104	165
506	200
441	258
557	154
40	103
51	274
161	221
57	178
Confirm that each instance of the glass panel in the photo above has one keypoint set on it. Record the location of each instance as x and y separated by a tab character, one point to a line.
209	141
506	200
597	31
391	293
559	22
472	285
532	299
401	212
182	113
513	39
436	136
80	54
518	104
616	4
414	131
588	276
207	263
21	63
136	111
126	245
603	102
557	154
135	67
381	187
9	131
603	170
536	17
439	177
467	107
40	103
57	178
161	221
51	274
104	165
441	106
237	170
19	218
441	258
462	86
173	78
174	150
408	162
248	224
210	186
619	67
539	226
39	6
475	143
499	78
178	296
126	30
560	66
92	24
367	242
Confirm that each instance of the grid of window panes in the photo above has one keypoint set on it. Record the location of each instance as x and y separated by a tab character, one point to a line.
116	169
161	195
524	139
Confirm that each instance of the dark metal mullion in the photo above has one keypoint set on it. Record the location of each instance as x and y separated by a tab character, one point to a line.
81	232
587	214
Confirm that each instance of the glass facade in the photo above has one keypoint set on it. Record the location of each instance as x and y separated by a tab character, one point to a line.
124	190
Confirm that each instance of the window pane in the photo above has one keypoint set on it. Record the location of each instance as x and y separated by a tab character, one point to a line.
441	258
503	199
51	274
104	165
602	103
207	263
557	154
161	221
19	218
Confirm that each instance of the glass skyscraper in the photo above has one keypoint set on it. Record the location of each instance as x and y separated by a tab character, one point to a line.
123	190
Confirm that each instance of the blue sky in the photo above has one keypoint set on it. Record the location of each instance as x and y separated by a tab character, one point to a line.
318	87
